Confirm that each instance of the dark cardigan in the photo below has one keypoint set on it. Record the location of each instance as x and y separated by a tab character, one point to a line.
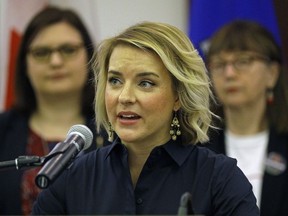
274	198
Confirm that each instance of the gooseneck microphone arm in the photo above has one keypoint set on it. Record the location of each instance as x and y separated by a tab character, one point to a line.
27	161
22	162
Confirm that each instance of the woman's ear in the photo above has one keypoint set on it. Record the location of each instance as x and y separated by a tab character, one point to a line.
177	104
273	74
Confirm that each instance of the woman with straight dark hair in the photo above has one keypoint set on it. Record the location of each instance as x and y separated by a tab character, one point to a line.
54	90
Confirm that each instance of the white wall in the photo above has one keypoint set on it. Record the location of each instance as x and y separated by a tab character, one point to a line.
112	16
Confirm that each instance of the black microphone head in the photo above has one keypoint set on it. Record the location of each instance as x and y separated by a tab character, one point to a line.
84	132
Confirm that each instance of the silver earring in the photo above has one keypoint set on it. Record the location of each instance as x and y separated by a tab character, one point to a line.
111	133
175	128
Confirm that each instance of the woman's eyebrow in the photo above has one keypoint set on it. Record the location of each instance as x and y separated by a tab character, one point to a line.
141	74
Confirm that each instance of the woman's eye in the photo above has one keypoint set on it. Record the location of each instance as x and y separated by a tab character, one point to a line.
146	84
243	61
114	81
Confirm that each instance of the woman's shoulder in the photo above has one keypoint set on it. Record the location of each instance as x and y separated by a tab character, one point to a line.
215	161
11	115
205	152
275	135
12	119
5	116
219	168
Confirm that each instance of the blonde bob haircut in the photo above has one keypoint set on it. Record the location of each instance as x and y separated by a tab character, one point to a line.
188	72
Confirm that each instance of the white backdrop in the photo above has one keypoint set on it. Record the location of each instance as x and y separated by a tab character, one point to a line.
104	18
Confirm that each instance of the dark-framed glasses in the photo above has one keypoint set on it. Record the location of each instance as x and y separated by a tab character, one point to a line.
240	63
43	53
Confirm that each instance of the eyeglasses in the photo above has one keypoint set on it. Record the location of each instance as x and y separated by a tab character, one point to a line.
43	54
241	63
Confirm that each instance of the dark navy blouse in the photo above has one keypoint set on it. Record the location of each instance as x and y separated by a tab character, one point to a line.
99	183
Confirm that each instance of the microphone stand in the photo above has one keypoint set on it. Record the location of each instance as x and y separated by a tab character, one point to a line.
27	161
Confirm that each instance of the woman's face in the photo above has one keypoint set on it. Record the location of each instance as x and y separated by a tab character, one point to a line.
139	97
241	79
61	72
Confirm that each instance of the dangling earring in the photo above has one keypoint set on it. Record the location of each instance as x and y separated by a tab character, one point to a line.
270	96
175	128
111	133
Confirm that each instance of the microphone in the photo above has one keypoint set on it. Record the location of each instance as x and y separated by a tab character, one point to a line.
79	137
185	207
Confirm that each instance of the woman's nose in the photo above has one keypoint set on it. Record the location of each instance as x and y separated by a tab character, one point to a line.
127	94
229	70
56	58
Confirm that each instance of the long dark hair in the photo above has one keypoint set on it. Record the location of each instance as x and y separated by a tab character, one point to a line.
25	100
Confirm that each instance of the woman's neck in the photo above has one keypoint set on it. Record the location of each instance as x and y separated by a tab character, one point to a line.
54	117
246	120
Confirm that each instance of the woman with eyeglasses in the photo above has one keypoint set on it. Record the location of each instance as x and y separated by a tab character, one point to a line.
54	90
251	85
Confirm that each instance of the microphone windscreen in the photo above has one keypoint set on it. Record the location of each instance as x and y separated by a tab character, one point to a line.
84	132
